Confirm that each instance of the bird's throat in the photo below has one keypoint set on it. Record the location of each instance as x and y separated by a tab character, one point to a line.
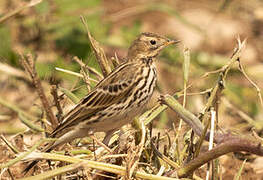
147	60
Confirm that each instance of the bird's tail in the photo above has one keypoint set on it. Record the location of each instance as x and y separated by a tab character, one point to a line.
63	138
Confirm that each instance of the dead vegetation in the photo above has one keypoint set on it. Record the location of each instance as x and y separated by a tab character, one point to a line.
143	150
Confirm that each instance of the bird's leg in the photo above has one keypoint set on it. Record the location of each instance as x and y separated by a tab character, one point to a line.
100	143
108	136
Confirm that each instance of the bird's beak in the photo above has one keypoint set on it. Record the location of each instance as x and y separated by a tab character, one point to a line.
172	42
169	42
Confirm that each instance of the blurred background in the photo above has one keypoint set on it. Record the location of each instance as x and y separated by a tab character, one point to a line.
52	30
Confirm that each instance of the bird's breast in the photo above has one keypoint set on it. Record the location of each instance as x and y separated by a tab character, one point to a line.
144	89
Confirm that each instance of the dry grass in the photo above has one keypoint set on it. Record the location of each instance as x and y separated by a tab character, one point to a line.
143	150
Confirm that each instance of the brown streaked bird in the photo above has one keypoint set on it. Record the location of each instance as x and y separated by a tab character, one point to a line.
116	99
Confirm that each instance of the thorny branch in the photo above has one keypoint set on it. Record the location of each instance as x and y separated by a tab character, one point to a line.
241	68
217	90
225	142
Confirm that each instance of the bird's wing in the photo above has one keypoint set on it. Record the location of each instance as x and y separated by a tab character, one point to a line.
107	92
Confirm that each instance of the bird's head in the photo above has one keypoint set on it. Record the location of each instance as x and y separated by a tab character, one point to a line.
148	45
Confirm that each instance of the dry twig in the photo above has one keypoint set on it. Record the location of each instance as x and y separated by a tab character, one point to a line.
54	92
225	142
241	68
19	9
137	153
92	70
99	52
29	65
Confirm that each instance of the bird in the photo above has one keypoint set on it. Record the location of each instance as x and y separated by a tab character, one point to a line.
117	98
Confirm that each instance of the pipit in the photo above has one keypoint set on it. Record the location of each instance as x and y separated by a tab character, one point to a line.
116	99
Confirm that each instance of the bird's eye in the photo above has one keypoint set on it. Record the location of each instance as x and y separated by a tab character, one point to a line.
153	42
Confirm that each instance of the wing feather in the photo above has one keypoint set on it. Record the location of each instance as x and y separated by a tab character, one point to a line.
107	92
